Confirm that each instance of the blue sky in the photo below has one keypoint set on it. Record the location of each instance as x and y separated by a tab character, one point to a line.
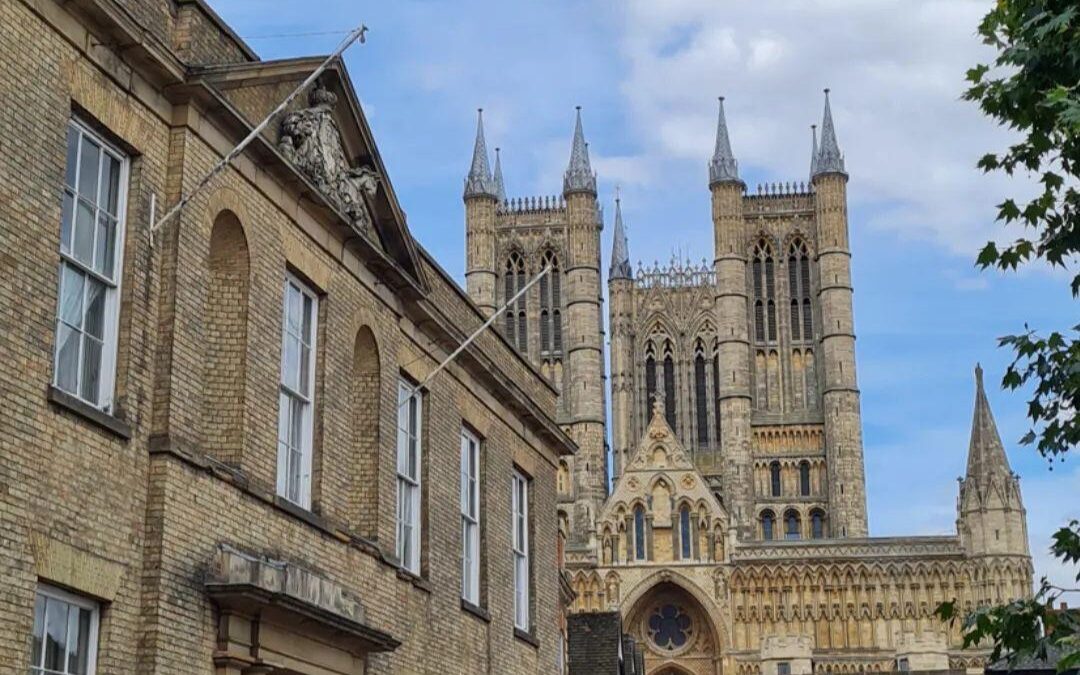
647	75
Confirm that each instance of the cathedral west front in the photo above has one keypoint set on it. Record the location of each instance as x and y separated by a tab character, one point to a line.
733	536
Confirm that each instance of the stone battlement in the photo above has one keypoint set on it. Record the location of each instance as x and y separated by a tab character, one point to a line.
532	204
676	274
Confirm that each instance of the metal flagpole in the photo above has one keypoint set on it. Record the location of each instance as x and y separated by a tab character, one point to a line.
491	319
353	36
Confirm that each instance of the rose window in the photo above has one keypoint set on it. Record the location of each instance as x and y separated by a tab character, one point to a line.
670	627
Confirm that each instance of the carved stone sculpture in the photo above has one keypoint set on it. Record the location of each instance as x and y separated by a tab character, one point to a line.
310	139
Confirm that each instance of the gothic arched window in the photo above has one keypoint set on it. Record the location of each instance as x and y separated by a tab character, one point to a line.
513	281
767	522
650	380
685	538
764	278
669	384
550	309
817	525
639	532
774	478
716	391
791	525
802	321
701	402
804	478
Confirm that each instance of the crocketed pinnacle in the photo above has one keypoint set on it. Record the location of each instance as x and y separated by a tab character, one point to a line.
723	167
620	249
813	150
579	175
479	183
829	159
499	186
986	454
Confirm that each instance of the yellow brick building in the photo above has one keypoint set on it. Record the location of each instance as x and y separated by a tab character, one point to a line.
216	456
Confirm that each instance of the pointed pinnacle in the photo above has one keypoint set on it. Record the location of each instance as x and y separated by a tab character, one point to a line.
829	159
579	176
497	181
986	453
723	167
478	182
813	150
620	249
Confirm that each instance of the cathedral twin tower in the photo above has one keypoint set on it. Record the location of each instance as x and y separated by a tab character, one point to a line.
751	360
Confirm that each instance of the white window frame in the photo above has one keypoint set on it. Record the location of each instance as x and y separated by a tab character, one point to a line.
470	517
409	437
106	388
289	393
519	492
50	592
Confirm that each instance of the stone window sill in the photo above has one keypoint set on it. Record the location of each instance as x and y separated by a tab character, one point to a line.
476	610
417	581
99	418
527	638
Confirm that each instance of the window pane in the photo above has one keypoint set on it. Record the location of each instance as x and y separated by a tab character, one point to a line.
39	630
94	323
56	625
109	196
106	244
67	360
306	320
88	168
79	653
83	246
295	298
296	430
91	369
72	156
67	213
71	296
290	362
303	384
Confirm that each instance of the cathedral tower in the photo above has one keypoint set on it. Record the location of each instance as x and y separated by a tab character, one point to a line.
991	518
481	201
840	393
558	323
733	345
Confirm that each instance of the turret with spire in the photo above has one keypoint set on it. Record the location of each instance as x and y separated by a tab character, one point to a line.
840	387
990	511
620	321
481	199
733	339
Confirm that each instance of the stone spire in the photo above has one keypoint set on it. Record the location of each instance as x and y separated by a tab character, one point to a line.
986	453
620	250
498	185
579	175
828	159
723	166
813	150
479	183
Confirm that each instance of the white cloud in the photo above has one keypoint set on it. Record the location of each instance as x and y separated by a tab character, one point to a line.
897	70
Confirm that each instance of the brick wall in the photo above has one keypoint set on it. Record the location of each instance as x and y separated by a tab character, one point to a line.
198	371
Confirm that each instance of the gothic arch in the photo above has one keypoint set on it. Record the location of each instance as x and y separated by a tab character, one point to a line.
717	622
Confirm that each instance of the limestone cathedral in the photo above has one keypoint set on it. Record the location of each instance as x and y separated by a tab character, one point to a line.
734	536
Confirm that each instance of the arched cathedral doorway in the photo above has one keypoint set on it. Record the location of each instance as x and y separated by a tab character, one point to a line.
676	632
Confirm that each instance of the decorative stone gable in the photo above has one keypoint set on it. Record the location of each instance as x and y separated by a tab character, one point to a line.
661	480
310	139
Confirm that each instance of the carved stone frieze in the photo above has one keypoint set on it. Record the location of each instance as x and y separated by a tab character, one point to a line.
310	139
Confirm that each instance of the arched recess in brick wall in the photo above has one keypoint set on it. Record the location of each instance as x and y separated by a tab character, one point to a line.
365	406
225	339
